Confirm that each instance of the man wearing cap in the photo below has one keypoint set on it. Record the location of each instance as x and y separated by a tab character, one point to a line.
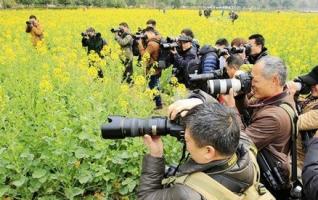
183	56
308	118
187	52
308	127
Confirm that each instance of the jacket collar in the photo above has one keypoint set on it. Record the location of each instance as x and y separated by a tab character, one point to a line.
215	167
274	100
261	54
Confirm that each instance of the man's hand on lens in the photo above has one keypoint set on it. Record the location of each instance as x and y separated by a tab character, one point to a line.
174	51
182	107
228	99
154	145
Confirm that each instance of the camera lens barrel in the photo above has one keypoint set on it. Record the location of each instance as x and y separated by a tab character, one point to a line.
119	127
223	86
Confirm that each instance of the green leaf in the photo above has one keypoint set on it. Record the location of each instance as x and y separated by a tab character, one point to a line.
38	173
84	177
27	155
72	192
81	153
20	182
4	190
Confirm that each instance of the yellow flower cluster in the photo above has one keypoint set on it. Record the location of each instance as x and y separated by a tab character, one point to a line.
46	85
61	75
139	80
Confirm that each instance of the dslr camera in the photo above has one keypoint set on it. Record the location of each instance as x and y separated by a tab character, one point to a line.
119	127
169	43
247	48
29	26
116	30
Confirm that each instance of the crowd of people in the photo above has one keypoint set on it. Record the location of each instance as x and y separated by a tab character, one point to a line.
240	144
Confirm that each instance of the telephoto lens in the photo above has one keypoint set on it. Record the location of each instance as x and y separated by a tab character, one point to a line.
119	127
240	84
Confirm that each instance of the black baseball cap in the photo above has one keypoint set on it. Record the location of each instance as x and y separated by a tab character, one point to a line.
311	78
185	38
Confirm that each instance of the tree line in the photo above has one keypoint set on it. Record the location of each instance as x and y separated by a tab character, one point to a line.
162	4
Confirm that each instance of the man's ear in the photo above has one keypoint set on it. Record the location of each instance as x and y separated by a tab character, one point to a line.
276	79
210	153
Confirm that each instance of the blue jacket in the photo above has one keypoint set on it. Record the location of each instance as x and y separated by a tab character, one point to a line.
209	59
210	62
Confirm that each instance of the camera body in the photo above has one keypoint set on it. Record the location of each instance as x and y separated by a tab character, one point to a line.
29	26
246	48
120	127
117	30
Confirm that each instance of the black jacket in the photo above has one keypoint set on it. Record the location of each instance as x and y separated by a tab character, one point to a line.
182	59
252	59
95	43
237	178
310	171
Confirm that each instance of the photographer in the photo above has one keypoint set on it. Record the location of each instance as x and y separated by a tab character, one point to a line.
232	66
258	49
269	127
186	53
213	141
195	42
310	170
239	43
220	45
152	46
308	116
152	23
94	42
125	40
36	30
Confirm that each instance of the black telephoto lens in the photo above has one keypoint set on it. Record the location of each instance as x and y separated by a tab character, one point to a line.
119	127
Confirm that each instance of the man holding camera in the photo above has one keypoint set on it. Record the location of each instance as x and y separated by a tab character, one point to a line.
308	108
308	127
232	66
258	49
186	53
125	40
36	30
94	42
217	153
152	46
269	127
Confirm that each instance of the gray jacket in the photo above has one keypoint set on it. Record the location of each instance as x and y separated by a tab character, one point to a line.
125	42
236	178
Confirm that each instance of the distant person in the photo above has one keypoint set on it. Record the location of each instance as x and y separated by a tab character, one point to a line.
125	40
94	43
152	23
34	28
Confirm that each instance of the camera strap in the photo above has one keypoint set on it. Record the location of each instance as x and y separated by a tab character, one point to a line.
183	157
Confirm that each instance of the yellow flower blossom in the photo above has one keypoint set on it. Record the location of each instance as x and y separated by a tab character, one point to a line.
46	85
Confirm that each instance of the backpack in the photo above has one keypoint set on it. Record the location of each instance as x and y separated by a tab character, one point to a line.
210	189
196	66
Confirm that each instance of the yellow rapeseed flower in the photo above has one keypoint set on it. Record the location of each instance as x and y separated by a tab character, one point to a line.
46	85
